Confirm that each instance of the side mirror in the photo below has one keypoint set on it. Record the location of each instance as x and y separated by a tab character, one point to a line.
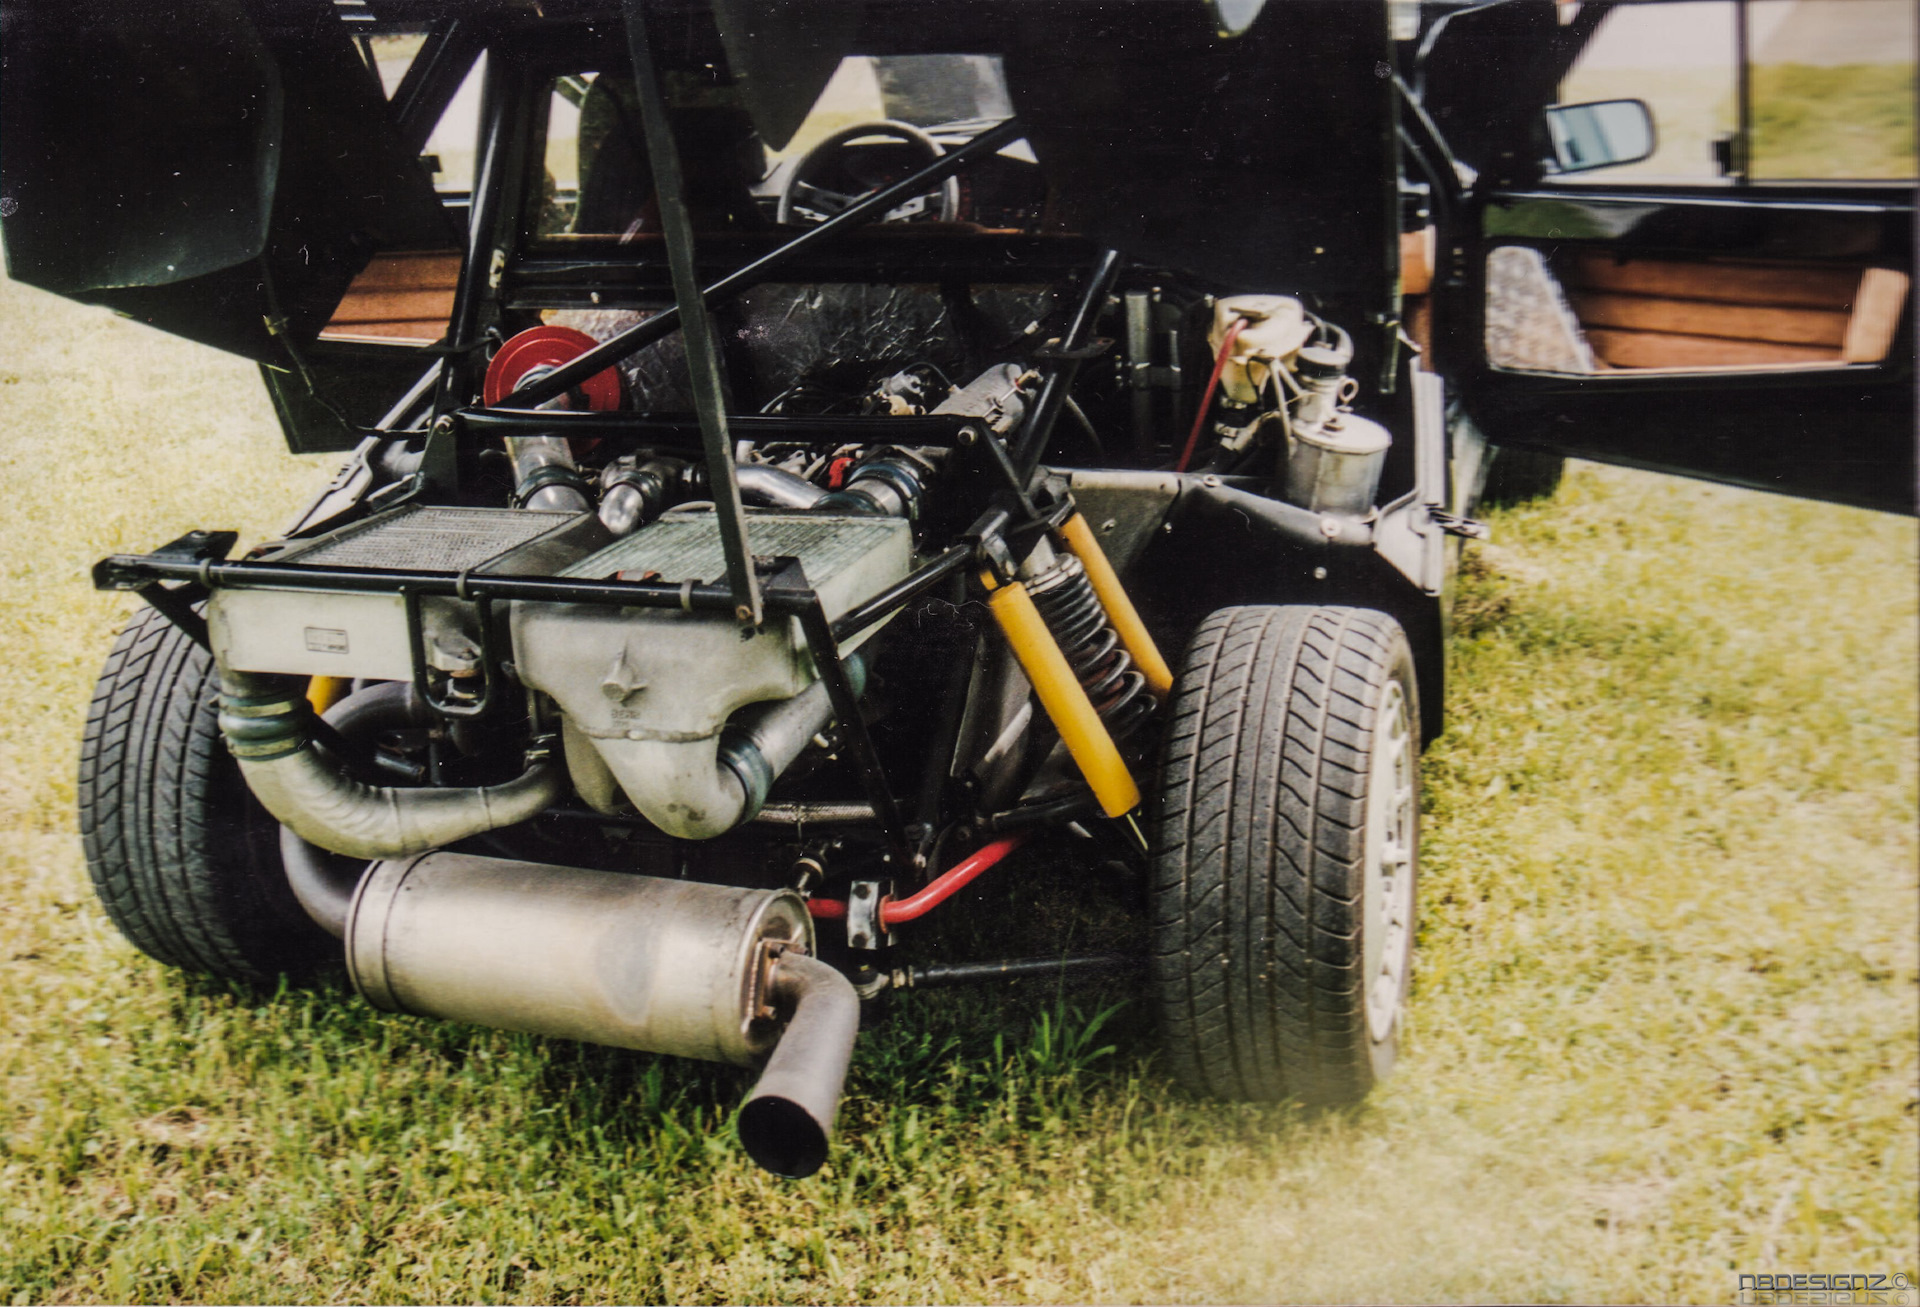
1234	17
1600	134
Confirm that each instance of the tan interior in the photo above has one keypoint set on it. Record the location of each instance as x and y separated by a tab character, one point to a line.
1674	314
401	299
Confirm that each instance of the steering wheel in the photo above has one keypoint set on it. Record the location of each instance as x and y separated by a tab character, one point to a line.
820	185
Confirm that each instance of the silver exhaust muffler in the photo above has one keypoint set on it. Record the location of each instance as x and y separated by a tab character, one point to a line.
663	966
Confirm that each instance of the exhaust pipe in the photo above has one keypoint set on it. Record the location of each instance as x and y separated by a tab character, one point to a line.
663	966
786	1124
324	882
266	720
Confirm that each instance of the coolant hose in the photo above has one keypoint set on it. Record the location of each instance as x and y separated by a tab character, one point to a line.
266	722
787	1121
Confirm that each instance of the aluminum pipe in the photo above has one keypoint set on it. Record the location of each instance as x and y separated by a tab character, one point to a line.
775	487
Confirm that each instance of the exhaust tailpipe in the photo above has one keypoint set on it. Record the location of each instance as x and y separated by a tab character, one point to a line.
786	1124
664	966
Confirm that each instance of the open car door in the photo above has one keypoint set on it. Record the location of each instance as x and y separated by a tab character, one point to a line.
1676	273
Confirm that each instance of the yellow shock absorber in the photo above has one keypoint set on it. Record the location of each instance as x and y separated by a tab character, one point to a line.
1079	540
325	691
1061	694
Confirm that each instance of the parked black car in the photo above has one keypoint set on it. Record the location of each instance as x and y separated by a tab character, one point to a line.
777	470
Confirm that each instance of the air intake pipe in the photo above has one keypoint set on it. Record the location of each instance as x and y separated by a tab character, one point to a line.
267	723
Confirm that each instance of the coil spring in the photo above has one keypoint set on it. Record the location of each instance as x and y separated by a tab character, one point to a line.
1072	612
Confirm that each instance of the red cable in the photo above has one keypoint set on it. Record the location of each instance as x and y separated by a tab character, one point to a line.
944	887
1213	383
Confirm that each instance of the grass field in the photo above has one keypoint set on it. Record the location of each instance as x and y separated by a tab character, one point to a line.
1663	1028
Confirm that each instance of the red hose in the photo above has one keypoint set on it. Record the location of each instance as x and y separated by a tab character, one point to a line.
1213	384
944	887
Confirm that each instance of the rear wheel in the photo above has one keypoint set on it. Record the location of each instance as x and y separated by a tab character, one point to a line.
1286	842
182	856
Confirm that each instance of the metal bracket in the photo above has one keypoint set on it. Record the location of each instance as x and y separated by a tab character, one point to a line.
196	546
865	930
176	605
1055	350
417	651
788	589
1454	525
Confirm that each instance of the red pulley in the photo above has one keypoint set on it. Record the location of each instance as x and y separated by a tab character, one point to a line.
546	348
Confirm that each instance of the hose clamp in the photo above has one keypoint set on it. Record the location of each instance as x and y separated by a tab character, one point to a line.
260	728
549	474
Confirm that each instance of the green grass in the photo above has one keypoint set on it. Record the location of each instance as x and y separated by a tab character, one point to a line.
1854	120
1663	1028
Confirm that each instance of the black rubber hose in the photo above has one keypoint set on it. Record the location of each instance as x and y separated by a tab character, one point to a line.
786	1123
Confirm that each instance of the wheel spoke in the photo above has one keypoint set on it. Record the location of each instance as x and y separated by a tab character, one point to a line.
821	200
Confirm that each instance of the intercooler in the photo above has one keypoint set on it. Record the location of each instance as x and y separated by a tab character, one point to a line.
313	633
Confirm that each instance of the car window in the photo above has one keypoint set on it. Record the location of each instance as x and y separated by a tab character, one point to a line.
1678	58
595	180
925	90
455	140
452	146
1832	88
1830	91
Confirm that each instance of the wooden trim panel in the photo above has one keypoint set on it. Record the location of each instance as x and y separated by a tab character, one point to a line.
1689	314
405	297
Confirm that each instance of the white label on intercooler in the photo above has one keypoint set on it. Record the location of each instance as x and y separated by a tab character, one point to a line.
321	640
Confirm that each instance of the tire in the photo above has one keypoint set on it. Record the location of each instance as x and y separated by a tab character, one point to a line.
1286	826
1519	476
182	856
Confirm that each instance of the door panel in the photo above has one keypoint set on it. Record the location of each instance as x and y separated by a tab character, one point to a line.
1762	338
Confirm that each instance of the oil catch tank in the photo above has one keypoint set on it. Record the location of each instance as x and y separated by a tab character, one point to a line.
1335	467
